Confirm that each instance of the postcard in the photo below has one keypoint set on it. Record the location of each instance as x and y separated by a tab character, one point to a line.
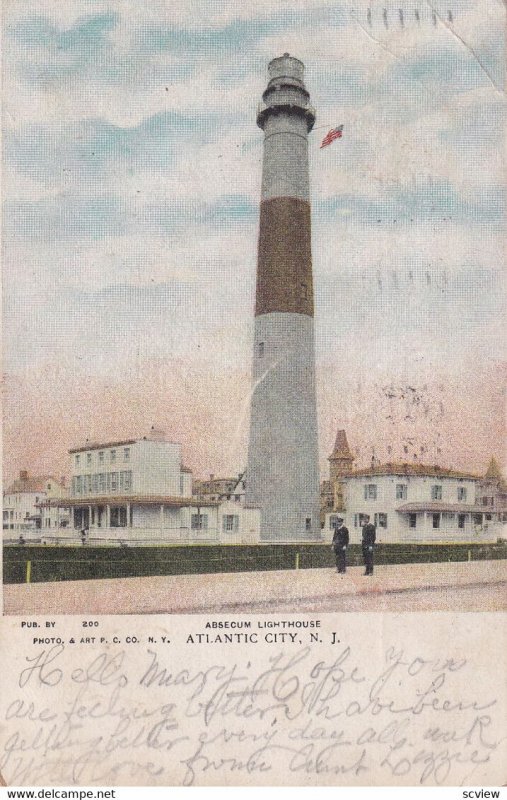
254	488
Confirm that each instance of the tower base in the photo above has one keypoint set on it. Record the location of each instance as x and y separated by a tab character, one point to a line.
283	469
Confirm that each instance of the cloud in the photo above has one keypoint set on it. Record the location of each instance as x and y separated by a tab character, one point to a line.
75	152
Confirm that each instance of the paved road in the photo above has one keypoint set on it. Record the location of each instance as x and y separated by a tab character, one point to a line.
463	586
464	598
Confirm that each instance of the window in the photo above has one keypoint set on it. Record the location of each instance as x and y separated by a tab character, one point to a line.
88	483
199	522
356	520
436	494
230	523
333	518
101	456
79	484
477	519
462	494
182	484
461	520
88	458
381	520
127	481
304	291
114	481
118	517
260	349
77	460
112	456
126	454
95	483
370	491
436	520
237	497
308	524
412	520
401	491
489	517
102	482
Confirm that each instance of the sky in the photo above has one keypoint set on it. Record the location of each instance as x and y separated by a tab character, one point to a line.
131	185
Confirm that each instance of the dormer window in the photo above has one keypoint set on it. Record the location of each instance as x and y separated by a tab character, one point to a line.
260	349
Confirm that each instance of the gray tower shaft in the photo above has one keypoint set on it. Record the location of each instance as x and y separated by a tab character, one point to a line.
283	472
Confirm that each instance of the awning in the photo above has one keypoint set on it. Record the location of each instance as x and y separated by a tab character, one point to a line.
118	500
457	508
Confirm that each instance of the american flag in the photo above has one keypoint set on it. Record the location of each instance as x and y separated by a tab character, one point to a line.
334	133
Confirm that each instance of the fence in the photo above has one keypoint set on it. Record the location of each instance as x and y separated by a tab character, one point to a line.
38	563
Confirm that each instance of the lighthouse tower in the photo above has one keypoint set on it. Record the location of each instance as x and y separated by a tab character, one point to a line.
283	470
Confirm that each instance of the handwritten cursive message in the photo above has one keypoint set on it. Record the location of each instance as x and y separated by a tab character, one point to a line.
306	713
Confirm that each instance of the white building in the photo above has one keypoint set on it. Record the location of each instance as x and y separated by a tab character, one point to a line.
417	503
21	512
136	491
53	516
221	489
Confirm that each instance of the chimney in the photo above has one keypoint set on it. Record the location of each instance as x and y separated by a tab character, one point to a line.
23	475
156	434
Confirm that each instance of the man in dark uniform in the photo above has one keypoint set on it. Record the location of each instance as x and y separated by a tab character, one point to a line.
368	543
340	543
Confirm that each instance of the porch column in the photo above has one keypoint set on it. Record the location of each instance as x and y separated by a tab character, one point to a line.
108	516
161	517
89	516
129	521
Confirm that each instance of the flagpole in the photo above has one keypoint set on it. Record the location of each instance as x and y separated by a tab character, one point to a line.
320	127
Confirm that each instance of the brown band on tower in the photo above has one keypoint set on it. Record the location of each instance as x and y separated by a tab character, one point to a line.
284	269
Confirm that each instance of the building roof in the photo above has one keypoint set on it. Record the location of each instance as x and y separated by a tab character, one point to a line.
186	469
494	473
494	470
213	485
460	508
29	483
430	470
341	447
105	445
